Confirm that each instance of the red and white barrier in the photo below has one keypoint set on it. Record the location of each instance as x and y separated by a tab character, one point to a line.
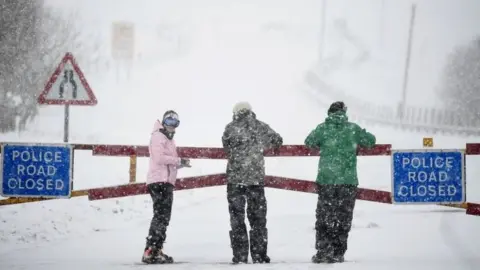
133	188
270	181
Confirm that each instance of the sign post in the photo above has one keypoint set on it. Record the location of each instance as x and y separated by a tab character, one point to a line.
67	86
428	176
42	170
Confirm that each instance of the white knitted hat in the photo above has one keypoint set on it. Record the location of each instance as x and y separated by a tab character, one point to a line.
242	105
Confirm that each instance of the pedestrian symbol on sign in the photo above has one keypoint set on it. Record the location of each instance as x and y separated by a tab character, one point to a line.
69	81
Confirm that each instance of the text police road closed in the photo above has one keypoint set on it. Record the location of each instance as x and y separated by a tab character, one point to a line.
42	176
35	170
428	176
423	175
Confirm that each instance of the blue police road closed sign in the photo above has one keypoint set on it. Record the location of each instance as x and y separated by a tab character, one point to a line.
428	176
36	170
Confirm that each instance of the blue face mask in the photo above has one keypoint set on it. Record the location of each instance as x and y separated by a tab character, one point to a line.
171	122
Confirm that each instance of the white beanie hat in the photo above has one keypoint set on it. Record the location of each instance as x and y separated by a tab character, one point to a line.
242	105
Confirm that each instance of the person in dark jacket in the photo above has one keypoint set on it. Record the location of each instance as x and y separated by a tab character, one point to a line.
337	181
244	141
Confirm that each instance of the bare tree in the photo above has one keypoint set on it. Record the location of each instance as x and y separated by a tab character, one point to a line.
460	88
33	39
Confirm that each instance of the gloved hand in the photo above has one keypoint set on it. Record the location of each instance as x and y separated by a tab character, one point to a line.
277	141
185	162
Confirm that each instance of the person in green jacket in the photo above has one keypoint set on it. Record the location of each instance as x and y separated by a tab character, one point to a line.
337	180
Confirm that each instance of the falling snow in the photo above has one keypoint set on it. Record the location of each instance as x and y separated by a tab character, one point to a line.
200	58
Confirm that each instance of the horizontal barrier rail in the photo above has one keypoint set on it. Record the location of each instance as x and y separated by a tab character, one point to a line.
473	209
220	179
10	201
140	188
133	188
218	153
472	149
270	182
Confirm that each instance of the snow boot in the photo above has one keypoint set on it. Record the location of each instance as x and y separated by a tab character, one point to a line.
155	256
337	259
322	258
239	244
319	258
163	258
258	246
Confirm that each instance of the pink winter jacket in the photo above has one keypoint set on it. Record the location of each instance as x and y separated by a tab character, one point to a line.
164	161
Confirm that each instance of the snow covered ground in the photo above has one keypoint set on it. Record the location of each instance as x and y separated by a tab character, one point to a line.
262	61
111	234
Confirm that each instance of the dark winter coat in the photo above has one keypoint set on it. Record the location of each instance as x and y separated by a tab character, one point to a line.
244	141
337	139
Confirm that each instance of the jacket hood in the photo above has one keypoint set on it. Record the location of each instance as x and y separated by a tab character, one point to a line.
337	118
158	125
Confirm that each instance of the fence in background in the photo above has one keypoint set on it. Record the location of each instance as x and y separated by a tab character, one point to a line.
415	118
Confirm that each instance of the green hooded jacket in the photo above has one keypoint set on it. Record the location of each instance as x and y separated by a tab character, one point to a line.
337	139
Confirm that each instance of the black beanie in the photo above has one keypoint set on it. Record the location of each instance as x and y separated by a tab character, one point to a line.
336	107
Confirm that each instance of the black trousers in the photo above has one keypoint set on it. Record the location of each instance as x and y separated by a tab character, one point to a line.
254	197
334	215
162	197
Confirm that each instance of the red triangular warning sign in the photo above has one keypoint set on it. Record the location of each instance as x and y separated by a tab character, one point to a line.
67	85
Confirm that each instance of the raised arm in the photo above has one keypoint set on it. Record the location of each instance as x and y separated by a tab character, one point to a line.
269	136
314	138
365	138
226	140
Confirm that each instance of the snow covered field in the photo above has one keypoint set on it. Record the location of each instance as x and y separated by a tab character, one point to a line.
262	60
110	234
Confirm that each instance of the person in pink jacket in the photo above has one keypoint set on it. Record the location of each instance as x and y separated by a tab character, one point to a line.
162	174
